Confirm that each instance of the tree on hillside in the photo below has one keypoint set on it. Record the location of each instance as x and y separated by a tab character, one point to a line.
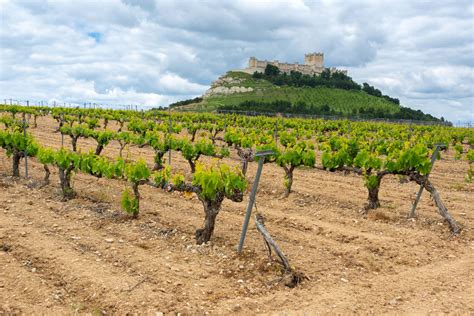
271	70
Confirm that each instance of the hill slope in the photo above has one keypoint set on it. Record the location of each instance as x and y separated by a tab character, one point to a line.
241	91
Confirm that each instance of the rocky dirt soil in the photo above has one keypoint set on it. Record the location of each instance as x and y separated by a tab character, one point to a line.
86	256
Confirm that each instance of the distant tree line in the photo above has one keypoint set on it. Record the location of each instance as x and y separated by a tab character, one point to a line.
326	79
376	92
185	102
300	107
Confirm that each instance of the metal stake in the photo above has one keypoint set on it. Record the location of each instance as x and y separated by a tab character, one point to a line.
26	149
262	155
275	132
62	134
418	195
169	135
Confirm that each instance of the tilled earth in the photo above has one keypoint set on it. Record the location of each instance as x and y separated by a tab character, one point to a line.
86	256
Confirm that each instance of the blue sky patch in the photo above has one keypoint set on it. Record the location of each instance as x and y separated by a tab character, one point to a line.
96	36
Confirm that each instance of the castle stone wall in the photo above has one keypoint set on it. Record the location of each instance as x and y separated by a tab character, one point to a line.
314	65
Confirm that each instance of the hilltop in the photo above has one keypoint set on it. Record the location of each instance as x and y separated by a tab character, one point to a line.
272	91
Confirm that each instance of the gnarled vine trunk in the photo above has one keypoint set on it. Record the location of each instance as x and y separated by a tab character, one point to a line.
122	146
47	173
244	165
16	163
136	193
65	181
98	149
245	155
373	198
288	179
61	124
373	201
192	164
213	138
193	135
158	160
74	142
211	209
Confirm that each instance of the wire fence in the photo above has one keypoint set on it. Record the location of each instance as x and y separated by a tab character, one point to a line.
137	107
85	105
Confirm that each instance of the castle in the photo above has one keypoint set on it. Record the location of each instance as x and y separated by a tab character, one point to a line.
313	65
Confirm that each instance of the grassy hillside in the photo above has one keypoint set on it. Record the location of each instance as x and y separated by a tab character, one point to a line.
264	91
333	95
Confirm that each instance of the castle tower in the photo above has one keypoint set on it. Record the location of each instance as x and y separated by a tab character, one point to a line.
314	59
252	62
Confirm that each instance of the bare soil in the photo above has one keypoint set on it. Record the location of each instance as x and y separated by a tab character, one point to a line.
86	256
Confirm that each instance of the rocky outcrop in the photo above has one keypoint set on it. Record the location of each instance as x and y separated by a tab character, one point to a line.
226	85
226	91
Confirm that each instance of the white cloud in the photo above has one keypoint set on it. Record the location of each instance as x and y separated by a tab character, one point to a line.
157	52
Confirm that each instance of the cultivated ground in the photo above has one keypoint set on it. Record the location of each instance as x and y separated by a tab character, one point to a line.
85	256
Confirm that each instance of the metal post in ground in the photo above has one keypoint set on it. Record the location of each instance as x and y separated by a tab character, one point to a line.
411	132
26	149
275	132
62	134
262	155
169	136
418	195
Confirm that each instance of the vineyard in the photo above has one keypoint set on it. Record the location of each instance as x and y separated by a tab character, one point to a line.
142	211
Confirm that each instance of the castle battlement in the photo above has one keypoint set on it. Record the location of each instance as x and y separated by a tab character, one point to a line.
313	65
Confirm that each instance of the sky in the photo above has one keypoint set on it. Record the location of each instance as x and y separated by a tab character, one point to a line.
154	52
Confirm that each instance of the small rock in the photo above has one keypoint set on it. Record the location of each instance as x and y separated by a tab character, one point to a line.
344	280
110	240
236	308
394	301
